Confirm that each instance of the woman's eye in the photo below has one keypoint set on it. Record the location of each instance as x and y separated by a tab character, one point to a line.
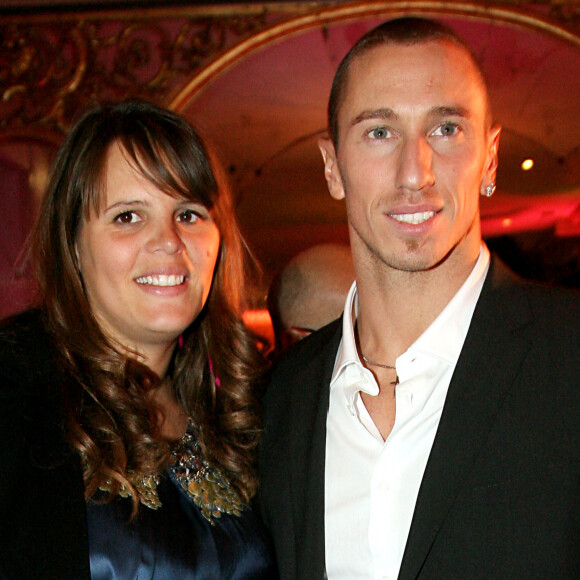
446	130
379	133
188	216
127	217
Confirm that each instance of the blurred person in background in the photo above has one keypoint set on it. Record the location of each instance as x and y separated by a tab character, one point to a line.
309	292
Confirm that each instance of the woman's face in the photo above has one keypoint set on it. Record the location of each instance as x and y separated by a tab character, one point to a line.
146	259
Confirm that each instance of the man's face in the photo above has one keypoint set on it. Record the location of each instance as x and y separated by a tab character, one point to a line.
413	155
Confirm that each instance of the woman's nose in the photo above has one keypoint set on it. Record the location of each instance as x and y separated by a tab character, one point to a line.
165	238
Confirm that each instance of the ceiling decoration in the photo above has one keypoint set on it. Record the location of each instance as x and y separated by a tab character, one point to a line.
255	78
54	66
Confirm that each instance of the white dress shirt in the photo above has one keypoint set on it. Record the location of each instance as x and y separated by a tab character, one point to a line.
371	485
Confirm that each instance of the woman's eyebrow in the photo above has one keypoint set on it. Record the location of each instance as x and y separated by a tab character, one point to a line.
124	203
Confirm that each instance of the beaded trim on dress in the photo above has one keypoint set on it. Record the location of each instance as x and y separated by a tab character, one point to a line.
208	488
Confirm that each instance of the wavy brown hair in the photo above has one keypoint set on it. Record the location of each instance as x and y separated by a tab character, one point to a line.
111	423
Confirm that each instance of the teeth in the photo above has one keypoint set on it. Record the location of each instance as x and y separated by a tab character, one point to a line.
413	218
161	280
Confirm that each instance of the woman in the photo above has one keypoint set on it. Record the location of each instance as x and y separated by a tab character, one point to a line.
126	404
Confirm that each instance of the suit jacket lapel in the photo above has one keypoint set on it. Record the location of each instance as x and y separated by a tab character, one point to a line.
475	394
310	454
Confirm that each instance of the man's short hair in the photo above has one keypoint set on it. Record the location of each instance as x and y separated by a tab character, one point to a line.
406	31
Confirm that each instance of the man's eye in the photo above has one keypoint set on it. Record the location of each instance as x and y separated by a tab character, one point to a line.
127	217
379	133
188	216
446	130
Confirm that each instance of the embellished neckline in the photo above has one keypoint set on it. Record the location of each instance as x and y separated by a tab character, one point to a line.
206	485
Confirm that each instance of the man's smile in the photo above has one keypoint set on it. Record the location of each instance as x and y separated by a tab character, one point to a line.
413	218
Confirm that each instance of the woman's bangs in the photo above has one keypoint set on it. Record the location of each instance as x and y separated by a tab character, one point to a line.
179	176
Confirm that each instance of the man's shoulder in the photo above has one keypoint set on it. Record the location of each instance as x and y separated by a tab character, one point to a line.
302	372
312	350
555	307
553	299
556	313
547	315
546	301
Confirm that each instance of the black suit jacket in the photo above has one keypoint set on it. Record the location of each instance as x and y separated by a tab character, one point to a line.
500	497
43	528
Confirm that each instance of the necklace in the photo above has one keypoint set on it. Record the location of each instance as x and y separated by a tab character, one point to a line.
206	485
373	363
376	364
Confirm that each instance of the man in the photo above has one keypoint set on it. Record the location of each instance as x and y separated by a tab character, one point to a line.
433	431
309	292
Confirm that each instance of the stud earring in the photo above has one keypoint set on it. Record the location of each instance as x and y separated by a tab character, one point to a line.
490	189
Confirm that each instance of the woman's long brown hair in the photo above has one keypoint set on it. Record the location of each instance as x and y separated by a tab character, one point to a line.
110	421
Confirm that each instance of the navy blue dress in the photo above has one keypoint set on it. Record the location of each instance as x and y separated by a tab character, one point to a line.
176	541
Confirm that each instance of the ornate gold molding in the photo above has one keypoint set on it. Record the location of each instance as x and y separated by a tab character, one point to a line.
52	69
53	66
328	13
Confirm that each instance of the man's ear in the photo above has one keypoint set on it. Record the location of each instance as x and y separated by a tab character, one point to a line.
331	170
489	175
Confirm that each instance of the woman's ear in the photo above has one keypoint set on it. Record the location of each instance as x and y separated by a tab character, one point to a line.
331	170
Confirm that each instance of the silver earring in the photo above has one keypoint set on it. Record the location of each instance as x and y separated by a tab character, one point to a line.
490	189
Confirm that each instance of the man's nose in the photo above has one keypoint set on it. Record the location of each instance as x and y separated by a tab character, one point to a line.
415	170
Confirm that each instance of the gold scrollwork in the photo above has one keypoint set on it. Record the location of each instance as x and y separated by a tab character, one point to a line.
50	71
52	68
36	63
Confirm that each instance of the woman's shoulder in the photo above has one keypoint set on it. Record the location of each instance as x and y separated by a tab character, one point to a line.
26	349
